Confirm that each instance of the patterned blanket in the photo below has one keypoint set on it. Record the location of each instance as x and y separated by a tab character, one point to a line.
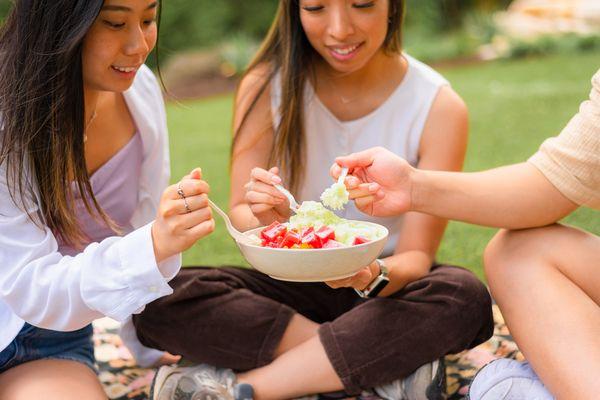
123	380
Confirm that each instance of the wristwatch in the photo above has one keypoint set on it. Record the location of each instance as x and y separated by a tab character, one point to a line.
377	284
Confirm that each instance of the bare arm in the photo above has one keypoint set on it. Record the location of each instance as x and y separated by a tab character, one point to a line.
512	197
251	149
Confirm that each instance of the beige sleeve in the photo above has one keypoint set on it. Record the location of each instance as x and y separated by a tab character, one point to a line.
571	160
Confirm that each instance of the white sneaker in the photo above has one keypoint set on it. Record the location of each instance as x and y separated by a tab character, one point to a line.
428	382
506	379
198	382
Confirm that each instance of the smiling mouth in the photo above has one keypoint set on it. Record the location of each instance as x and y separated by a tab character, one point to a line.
125	69
345	50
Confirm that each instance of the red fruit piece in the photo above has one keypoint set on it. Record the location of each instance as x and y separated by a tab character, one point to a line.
307	231
276	244
291	238
273	231
325	233
312	240
359	240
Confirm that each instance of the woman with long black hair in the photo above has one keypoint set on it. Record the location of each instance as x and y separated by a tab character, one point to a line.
88	226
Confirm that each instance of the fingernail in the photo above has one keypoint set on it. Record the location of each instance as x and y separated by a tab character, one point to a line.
373	187
196	173
276	179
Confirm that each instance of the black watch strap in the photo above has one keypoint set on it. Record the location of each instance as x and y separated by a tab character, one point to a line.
377	284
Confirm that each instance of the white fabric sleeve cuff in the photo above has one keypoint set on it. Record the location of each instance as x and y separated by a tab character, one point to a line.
144	356
170	267
140	273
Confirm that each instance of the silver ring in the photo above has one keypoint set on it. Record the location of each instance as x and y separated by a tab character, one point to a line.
187	206
180	191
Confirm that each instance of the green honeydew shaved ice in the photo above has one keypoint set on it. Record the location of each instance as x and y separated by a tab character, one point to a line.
312	213
336	196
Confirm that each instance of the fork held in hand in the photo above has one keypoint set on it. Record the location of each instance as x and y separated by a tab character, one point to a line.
293	203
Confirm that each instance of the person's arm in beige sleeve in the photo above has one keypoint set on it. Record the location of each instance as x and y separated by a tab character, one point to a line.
571	161
564	174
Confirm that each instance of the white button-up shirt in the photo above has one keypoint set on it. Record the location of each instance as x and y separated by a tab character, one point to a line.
116	277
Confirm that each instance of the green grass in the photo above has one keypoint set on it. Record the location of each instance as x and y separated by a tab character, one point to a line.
513	105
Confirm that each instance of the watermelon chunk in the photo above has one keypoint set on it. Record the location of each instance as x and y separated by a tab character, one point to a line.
359	240
291	238
325	233
273	231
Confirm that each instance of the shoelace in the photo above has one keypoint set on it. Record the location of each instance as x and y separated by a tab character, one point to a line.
181	395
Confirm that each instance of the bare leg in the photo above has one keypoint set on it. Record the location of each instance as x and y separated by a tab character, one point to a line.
547	284
299	330
301	366
304	369
50	380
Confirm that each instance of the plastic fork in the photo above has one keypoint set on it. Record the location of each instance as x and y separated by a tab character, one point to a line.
293	203
237	235
343	175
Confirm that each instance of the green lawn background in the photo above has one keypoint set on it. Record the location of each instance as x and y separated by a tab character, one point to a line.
513	106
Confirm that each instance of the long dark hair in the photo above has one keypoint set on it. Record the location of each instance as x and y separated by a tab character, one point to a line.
42	110
286	50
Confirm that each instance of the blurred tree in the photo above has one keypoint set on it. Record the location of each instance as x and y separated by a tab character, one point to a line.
205	23
202	23
443	15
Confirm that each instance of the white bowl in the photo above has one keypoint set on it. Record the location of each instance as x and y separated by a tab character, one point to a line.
312	265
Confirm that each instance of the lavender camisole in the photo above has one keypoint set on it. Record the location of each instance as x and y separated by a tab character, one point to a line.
115	185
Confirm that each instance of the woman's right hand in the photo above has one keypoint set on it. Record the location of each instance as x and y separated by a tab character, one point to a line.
266	202
178	227
380	182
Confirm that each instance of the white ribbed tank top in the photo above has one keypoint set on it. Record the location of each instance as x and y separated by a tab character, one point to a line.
397	124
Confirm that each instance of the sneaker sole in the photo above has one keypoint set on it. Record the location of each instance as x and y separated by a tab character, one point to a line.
438	382
159	378
496	372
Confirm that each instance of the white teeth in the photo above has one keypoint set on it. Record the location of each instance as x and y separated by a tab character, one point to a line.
345	51
125	69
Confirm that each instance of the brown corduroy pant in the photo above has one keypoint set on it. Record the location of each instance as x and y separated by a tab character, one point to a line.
235	318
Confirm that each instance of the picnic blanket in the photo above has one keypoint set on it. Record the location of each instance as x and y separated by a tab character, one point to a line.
123	380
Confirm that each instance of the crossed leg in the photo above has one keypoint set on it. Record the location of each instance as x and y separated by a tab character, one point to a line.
547	284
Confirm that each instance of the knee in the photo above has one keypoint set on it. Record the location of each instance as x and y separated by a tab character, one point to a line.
502	254
496	254
464	302
460	289
511	255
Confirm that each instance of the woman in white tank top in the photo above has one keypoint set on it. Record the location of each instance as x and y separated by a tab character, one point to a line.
398	124
330	80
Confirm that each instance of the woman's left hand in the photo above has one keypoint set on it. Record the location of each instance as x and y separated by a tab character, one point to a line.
360	280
